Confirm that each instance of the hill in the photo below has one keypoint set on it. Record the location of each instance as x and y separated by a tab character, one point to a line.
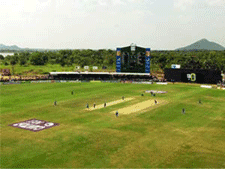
13	47
203	44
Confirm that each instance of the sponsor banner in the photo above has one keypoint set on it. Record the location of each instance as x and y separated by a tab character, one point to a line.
205	86
86	67
25	82
6	83
34	125
61	81
162	83
142	82
155	91
191	77
95	81
147	61
41	81
118	60
74	81
95	67
110	81
148	52
118	52
174	66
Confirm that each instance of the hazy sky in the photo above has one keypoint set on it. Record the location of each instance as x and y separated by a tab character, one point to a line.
95	24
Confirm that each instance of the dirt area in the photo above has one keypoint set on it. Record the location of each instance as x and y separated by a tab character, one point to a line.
109	104
138	107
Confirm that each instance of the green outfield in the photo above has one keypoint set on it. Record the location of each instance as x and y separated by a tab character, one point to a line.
158	136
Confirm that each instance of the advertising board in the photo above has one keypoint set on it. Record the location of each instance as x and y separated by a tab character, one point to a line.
86	67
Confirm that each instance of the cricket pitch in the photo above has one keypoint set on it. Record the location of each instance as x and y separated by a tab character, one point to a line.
138	107
109	104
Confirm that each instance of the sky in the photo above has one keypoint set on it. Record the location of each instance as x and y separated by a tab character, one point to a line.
108	24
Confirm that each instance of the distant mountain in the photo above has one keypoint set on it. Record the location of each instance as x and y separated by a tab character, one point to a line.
13	47
203	44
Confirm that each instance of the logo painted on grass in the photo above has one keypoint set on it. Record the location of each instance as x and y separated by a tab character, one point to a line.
34	125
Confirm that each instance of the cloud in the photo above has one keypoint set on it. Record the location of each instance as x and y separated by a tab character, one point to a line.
216	2
102	2
183	4
119	2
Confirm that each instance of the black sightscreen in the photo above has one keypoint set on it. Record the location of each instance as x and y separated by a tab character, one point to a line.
193	75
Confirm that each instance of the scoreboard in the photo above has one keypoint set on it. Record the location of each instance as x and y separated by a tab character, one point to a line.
133	59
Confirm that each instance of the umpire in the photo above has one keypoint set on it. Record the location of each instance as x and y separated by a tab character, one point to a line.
94	105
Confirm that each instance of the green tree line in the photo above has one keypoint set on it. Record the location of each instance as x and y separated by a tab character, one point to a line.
63	57
163	59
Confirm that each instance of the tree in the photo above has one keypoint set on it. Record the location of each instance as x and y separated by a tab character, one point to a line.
1	57
23	58
38	58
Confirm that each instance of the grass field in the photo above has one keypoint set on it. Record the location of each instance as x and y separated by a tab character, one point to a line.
159	136
45	69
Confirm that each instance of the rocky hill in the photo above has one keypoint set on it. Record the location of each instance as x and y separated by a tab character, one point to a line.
203	44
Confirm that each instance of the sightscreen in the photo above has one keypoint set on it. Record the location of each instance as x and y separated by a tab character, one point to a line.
202	76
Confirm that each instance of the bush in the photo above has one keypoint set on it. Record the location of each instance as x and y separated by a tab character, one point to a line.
6	63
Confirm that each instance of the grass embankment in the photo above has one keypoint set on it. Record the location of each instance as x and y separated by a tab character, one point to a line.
45	69
30	70
158	137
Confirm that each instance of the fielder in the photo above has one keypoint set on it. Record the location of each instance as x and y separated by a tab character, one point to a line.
117	113
105	104
183	111
87	105
55	103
